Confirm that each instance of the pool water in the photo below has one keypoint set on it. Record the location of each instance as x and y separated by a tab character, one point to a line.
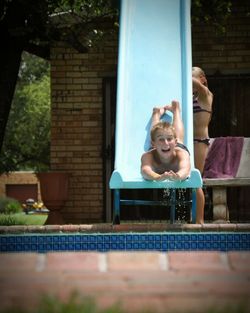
104	242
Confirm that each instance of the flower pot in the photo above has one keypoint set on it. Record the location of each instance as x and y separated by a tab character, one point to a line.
54	193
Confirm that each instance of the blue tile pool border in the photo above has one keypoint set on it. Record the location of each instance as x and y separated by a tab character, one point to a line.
105	242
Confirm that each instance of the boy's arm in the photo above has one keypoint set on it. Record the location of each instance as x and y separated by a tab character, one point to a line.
184	165
146	167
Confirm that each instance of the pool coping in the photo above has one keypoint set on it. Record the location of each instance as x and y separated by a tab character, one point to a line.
126	227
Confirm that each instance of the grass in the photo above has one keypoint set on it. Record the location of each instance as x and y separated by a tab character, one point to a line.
79	304
22	219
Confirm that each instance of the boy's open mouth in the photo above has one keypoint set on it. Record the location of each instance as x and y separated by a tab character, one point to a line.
165	150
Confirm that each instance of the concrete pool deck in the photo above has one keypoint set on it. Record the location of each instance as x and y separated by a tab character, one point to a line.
175	281
160	282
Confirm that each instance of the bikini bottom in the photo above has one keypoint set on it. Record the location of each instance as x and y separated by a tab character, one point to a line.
206	141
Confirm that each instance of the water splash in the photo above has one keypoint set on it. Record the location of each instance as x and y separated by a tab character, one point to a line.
166	194
181	208
181	205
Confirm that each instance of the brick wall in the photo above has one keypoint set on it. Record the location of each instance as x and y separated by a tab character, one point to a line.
227	53
76	133
18	178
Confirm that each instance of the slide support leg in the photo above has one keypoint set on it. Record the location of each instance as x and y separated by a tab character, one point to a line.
116	216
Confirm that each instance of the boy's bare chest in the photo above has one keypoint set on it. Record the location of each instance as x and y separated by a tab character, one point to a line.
160	168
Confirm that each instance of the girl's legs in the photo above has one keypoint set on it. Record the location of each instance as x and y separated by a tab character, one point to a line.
200	203
200	153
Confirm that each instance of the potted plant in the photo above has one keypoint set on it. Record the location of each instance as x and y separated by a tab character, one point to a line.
54	193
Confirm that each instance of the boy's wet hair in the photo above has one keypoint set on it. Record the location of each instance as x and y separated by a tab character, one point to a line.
161	125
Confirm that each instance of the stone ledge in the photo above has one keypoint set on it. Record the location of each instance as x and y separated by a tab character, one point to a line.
128	227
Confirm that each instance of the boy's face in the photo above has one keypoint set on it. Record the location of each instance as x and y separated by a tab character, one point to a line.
164	142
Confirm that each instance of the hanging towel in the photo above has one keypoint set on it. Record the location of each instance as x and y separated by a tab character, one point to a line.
223	158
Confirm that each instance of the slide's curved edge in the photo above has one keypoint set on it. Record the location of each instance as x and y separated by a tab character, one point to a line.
119	180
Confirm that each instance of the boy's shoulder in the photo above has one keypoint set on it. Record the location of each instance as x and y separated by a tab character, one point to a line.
181	149
150	151
148	154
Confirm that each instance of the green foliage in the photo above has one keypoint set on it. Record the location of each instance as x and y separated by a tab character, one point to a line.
213	12
41	22
27	138
37	25
85	8
22	219
9	220
87	22
74	304
9	206
79	304
32	69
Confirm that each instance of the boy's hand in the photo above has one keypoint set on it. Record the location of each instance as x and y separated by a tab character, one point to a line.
169	175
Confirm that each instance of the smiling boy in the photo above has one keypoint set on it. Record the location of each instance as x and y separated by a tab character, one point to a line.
168	158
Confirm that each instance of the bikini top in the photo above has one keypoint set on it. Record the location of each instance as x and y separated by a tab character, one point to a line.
197	108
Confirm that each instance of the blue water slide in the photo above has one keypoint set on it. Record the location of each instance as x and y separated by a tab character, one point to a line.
154	67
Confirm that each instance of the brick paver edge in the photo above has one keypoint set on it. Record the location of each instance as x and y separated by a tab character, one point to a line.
130	227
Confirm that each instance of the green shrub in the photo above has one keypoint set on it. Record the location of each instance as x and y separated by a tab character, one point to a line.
9	206
75	304
8	220
80	304
22	219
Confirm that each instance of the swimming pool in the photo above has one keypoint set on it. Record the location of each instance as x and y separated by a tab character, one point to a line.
104	242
